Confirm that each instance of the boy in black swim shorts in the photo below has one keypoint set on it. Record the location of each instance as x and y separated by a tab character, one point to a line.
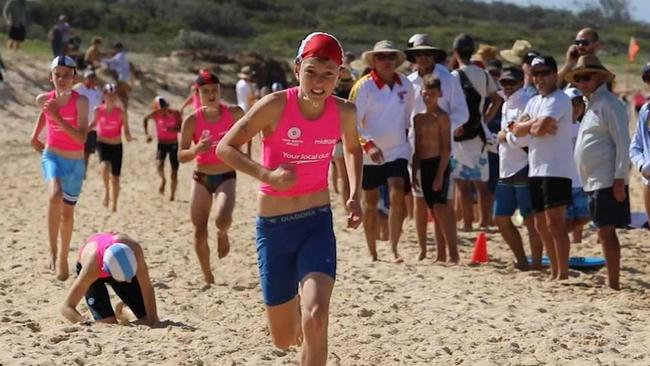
431	165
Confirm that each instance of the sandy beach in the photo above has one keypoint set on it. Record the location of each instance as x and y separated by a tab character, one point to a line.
416	313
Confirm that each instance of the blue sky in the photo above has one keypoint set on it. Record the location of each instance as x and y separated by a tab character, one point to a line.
640	9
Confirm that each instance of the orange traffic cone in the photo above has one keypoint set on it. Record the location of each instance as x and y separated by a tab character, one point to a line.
480	254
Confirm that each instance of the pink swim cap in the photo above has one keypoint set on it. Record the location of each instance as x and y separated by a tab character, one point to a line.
321	45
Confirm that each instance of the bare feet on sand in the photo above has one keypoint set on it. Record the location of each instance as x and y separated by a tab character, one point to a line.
105	201
223	244
397	258
422	255
62	272
51	262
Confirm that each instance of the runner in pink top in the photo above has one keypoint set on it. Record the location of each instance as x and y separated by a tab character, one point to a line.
65	113
216	130
213	179
110	120
295	236
306	144
117	260
168	124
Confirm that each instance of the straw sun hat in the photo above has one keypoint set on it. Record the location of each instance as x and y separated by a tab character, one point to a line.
588	64
384	46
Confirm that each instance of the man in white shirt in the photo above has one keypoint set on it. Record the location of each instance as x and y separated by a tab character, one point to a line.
470	161
428	60
512	190
246	95
549	160
90	90
602	156
384	101
120	65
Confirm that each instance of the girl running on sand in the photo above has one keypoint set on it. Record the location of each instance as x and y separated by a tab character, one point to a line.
168	124
295	238
117	260
65	112
110	120
213	179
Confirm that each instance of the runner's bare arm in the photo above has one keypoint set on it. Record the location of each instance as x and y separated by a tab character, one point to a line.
353	154
38	127
146	288
262	117
185	151
145	122
127	130
89	273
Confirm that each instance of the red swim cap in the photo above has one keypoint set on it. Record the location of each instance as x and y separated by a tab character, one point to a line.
206	77
320	45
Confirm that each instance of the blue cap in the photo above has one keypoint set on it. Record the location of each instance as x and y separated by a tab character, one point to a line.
120	262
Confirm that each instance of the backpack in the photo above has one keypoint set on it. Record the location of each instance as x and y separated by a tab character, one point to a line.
474	126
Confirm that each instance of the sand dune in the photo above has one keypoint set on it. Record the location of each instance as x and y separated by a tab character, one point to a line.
416	313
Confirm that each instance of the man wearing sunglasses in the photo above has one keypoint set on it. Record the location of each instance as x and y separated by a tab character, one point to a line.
602	157
587	42
512	190
548	118
384	101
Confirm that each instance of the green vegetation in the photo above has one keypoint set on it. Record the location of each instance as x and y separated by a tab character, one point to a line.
275	26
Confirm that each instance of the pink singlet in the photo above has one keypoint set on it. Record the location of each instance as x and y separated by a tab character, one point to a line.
307	144
109	125
217	130
56	135
103	240
165	121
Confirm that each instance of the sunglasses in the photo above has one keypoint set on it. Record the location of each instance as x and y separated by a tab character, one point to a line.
582	42
543	73
508	82
388	56
583	78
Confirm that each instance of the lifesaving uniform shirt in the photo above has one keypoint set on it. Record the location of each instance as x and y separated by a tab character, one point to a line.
384	114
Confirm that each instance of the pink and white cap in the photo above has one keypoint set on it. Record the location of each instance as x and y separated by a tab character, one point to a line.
321	45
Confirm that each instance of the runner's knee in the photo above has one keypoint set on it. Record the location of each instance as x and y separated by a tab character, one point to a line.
314	318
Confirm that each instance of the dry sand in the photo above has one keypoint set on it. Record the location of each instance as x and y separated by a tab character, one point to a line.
415	313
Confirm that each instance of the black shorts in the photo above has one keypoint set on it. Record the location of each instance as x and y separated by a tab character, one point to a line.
211	182
549	192
428	171
17	33
91	142
99	302
168	149
376	175
112	154
605	210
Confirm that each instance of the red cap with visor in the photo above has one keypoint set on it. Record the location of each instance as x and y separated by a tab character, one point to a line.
321	45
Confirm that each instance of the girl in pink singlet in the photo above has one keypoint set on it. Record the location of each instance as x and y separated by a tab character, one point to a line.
65	113
213	179
296	246
110	120
117	260
168	124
